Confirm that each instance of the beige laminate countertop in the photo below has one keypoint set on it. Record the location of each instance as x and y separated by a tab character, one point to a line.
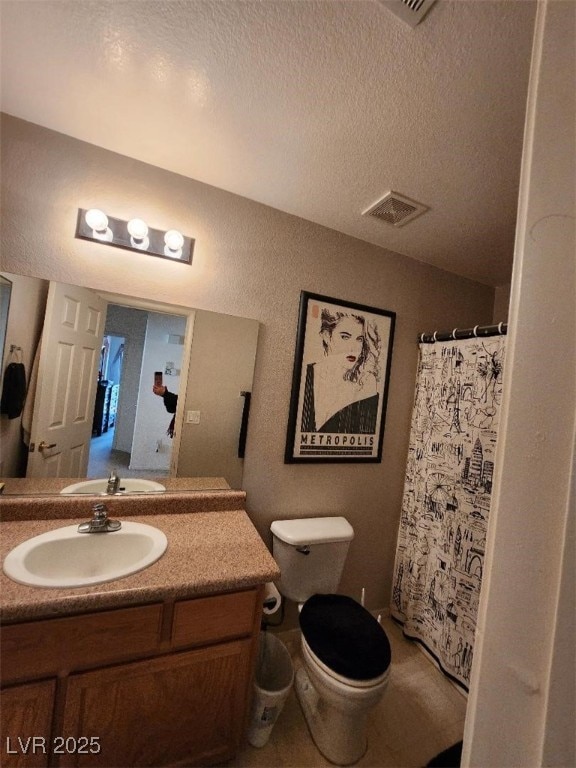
207	553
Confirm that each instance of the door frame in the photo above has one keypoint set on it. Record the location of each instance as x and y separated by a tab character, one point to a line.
169	309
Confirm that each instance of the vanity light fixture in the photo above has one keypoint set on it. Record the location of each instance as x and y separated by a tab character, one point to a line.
134	235
173	243
138	231
98	223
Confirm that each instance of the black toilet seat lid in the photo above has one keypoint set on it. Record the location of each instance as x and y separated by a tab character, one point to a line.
345	636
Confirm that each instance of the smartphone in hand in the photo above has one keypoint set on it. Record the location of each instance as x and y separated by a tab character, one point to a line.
157	378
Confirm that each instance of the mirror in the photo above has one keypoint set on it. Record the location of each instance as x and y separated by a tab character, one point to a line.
205	358
5	292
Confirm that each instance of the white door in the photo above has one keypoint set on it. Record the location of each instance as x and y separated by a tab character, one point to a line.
67	378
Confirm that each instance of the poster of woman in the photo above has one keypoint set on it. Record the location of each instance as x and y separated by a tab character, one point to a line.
340	381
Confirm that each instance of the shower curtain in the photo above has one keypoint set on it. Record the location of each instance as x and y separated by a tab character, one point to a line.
449	475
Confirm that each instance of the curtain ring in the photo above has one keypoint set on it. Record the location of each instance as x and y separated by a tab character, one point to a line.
434	336
474	331
454	333
421	338
500	327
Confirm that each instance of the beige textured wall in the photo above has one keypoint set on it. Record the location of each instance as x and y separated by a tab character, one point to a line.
501	302
221	366
152	419
250	260
131	324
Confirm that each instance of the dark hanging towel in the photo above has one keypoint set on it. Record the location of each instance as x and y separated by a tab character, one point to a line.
13	390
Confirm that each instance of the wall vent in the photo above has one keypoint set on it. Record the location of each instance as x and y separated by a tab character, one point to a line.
410	11
395	209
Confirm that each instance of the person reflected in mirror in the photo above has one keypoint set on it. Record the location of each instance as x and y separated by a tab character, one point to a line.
170	403
341	390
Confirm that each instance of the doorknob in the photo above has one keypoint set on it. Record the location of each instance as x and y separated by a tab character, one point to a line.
45	446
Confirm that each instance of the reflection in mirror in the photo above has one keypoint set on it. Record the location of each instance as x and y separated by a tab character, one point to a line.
5	291
91	407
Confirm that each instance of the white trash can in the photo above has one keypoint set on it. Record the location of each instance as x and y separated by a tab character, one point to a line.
272	682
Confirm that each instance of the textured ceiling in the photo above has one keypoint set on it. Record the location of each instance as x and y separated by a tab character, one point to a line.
314	108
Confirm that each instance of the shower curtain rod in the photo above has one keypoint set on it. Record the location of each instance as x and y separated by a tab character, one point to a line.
463	333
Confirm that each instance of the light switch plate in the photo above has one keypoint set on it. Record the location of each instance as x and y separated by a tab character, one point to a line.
192	417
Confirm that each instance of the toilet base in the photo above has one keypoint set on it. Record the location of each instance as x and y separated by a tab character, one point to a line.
340	737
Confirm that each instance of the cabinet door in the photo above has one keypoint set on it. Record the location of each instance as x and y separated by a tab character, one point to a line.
182	709
26	721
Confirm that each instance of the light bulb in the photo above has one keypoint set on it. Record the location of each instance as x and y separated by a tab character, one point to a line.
174	240
138	229
96	220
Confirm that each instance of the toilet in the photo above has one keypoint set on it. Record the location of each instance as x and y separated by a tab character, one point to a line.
345	650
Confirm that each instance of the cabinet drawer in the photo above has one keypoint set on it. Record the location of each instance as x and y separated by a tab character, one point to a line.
207	619
56	646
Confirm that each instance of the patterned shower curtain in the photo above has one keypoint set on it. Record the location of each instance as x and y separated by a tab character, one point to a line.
449	474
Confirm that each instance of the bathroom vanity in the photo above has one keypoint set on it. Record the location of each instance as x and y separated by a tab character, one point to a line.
152	669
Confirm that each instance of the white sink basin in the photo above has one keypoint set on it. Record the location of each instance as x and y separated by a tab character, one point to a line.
66	558
127	485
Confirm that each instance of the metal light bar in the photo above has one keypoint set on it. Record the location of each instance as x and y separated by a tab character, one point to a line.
115	232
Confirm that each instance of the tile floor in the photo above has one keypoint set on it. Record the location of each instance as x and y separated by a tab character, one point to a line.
421	714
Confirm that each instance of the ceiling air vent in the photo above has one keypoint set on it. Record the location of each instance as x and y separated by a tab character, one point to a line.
395	209
410	11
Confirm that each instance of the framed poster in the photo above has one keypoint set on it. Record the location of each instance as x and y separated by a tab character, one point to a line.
340	381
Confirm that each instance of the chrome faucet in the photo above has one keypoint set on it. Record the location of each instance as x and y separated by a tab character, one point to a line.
113	483
100	522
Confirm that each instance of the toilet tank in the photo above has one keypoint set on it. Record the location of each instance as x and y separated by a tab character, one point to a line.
310	553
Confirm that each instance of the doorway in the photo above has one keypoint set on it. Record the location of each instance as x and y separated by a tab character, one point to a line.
130	422
103	458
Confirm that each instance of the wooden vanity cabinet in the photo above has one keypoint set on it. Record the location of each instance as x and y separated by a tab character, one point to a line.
167	684
26	719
